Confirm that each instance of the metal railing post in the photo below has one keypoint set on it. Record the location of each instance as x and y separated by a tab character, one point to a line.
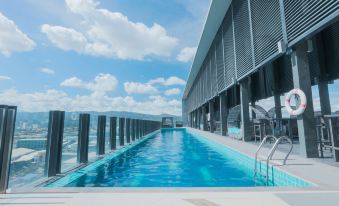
54	143
101	134
137	130
128	130
122	131
84	123
7	127
113	132
133	129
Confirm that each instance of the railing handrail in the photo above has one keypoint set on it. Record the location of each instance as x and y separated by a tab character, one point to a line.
273	149
260	146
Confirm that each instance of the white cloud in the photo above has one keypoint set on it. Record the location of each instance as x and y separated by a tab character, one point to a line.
47	71
65	38
187	54
174	91
5	78
173	80
12	39
102	83
58	100
139	88
109	34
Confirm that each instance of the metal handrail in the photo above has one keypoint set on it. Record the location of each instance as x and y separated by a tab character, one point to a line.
257	152
273	149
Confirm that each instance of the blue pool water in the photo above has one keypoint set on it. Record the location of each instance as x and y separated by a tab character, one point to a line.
172	158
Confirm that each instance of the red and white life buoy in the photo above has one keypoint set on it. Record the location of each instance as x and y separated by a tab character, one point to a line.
303	102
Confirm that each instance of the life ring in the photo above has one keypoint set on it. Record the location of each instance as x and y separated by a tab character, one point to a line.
303	102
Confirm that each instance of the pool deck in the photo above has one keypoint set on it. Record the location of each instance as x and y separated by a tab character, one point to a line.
324	175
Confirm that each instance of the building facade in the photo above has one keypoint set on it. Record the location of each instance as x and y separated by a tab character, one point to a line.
255	49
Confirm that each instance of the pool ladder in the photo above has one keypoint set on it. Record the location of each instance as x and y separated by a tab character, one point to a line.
277	141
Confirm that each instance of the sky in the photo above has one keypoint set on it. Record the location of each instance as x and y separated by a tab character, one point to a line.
98	55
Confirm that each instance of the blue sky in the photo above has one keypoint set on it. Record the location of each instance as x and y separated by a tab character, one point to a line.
100	55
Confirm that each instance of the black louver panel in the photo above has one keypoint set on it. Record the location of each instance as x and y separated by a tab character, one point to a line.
242	35
228	41
331	49
213	71
302	15
267	29
220	61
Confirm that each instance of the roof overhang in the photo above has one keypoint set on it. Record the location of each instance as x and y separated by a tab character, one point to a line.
216	14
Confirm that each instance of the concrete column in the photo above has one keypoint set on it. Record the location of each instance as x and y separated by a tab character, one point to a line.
212	113
204	118
254	116
199	117
245	116
190	119
223	114
195	119
325	103
277	105
306	122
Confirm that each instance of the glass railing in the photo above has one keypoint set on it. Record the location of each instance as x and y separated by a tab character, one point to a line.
107	134
92	142
29	148
28	158
70	141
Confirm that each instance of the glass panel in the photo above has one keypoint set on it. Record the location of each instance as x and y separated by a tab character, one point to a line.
29	148
107	134
92	143
70	141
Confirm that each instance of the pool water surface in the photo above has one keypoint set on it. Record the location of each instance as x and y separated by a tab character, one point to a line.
170	158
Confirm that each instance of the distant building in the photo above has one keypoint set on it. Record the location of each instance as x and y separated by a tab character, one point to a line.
35	144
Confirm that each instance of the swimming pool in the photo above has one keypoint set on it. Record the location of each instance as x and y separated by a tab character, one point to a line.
174	158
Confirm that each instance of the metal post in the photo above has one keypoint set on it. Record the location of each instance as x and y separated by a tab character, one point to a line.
7	127
133	129
128	130
306	122
113	132
54	143
141	128
277	106
334	137
245	116
122	131
84	123
223	114
101	131
137	130
211	110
